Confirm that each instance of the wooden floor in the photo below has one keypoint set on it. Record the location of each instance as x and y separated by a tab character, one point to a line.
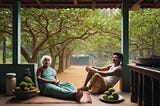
76	75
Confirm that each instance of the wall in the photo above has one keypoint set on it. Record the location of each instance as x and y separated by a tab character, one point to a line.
82	60
19	69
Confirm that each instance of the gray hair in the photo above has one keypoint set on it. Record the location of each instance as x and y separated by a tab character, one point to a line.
46	57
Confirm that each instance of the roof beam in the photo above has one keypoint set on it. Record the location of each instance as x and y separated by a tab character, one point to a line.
133	4
75	2
38	2
93	4
136	5
118	5
156	1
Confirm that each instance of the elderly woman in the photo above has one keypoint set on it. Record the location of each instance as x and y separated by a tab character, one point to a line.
50	85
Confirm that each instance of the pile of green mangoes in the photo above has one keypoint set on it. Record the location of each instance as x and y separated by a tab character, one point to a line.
110	94
25	85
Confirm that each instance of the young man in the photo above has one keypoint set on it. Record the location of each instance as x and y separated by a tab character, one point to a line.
102	78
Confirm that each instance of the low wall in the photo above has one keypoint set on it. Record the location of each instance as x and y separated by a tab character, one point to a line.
19	69
82	60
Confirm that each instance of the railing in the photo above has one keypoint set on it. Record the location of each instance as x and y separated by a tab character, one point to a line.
145	85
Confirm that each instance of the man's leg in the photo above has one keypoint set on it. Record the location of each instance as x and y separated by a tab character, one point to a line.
89	76
97	83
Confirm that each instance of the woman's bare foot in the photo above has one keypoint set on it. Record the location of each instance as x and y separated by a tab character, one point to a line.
79	95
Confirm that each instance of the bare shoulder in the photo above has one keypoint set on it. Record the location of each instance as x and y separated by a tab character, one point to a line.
119	68
109	65
118	71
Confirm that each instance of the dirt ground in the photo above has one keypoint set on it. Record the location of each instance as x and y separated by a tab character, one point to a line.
76	75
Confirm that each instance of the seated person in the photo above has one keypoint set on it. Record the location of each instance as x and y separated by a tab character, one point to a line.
102	78
50	85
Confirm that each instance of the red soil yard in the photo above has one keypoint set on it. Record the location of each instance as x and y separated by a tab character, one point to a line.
76	75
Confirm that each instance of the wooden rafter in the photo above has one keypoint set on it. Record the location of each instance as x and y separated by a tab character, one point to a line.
93	4
136	5
133	4
38	2
156	1
118	5
75	2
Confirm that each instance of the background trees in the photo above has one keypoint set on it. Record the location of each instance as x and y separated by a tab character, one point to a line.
64	32
144	33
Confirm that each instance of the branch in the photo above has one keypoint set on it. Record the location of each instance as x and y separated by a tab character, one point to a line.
85	35
25	54
8	32
59	28
111	32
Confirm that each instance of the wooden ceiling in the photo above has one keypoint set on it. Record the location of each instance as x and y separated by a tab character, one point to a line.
133	4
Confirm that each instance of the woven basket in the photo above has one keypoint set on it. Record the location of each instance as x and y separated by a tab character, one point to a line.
26	94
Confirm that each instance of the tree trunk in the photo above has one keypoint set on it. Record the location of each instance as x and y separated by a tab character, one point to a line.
53	55
61	63
64	60
34	59
4	51
68	59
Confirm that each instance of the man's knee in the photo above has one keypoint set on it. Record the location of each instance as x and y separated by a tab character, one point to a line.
97	75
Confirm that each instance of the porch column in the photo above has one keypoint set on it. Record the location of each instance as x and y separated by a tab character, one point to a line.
125	85
16	41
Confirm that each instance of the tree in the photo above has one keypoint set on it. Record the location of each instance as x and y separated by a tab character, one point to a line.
5	32
144	32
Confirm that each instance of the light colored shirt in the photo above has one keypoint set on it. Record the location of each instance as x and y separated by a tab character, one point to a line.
112	80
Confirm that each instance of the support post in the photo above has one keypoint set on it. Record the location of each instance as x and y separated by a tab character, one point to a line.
125	85
16	49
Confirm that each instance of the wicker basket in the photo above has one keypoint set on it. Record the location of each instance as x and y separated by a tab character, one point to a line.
26	94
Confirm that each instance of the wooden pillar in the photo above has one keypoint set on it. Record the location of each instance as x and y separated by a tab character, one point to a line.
16	41
134	86
125	85
147	91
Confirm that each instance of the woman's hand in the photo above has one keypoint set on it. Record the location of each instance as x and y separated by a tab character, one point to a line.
55	81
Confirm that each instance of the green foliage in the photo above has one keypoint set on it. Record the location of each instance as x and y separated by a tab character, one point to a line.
144	33
81	31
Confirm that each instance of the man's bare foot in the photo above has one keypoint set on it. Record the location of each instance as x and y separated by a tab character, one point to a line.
79	95
85	88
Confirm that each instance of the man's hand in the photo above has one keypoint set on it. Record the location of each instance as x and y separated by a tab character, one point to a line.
87	68
91	69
